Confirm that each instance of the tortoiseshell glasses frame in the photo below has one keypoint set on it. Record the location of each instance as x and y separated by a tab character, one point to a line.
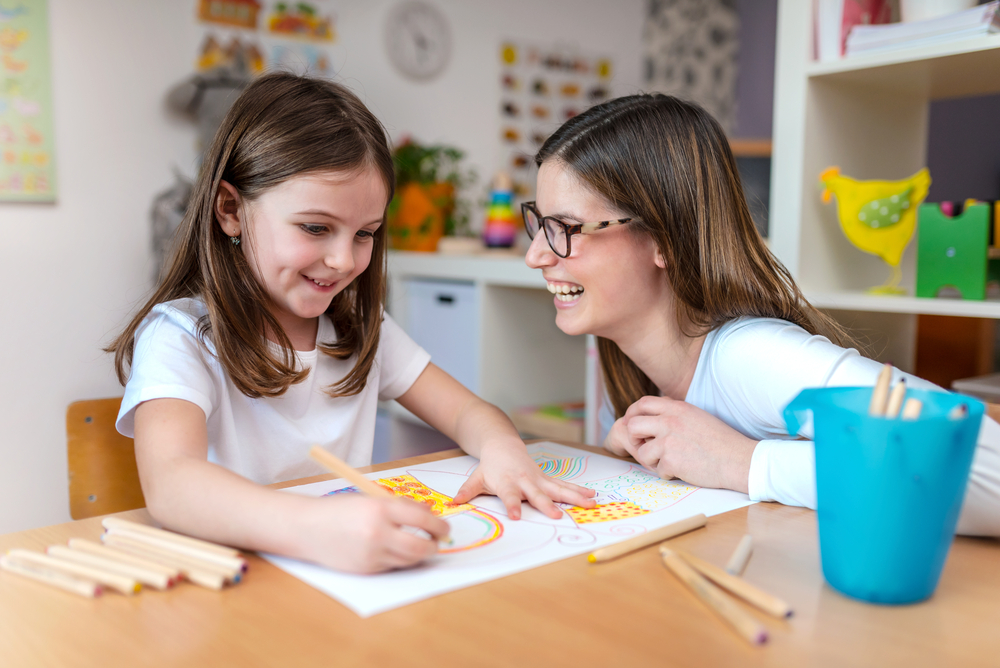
558	233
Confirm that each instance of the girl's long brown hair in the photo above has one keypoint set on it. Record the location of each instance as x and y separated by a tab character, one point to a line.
667	163
281	126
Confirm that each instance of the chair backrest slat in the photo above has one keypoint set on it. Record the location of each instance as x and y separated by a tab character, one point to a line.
103	477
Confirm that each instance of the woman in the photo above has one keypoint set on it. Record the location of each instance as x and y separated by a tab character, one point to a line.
704	337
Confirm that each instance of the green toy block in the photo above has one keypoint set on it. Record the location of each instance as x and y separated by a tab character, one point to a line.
953	252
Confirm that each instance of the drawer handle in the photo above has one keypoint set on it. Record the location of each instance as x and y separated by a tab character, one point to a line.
446	299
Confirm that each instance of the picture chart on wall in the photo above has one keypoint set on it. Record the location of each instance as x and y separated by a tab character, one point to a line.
486	544
27	146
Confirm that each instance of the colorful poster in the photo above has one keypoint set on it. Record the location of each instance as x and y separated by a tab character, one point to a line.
27	146
540	89
485	544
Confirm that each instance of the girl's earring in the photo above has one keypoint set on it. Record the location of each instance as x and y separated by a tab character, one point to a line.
235	240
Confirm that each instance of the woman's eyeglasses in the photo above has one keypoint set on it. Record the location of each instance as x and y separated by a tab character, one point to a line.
558	233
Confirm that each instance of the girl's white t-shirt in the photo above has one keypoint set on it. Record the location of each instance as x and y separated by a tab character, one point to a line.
266	440
749	369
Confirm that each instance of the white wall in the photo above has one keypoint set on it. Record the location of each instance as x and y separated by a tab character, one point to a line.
74	270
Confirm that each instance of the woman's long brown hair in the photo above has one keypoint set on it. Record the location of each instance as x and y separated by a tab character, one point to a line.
281	126
667	163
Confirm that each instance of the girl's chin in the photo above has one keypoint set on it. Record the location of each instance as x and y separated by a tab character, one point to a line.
570	325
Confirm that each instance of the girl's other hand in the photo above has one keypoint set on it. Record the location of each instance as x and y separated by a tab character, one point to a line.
361	534
678	440
507	471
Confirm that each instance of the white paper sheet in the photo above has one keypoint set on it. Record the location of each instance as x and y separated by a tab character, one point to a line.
488	545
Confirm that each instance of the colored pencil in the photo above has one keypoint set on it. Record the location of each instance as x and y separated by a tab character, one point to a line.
741	555
55	578
896	400
339	467
143	575
168	557
772	605
880	392
745	625
120	583
224	561
647	539
911	411
198	573
163	534
90	547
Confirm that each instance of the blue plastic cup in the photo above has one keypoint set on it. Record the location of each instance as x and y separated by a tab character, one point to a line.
888	492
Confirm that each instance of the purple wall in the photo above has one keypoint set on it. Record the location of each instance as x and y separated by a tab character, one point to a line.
963	149
755	81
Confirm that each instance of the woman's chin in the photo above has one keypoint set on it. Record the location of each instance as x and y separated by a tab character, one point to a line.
570	325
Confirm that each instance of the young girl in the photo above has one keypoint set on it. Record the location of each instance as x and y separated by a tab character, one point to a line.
647	241
267	335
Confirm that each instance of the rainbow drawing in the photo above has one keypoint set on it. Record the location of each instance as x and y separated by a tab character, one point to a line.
486	530
561	468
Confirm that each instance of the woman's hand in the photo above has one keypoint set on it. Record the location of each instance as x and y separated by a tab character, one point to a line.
678	440
362	534
506	470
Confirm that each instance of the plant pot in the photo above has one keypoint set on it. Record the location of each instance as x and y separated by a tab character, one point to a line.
417	215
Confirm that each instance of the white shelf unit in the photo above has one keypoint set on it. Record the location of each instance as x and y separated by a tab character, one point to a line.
523	358
867	115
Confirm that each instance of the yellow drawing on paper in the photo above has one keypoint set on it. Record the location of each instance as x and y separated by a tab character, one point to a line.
606	512
411	488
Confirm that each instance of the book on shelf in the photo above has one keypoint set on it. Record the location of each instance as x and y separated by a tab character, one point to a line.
834	20
980	20
562	422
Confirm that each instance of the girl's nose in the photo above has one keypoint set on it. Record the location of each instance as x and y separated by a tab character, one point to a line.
539	253
340	256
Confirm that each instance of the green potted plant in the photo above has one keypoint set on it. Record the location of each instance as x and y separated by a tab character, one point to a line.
425	206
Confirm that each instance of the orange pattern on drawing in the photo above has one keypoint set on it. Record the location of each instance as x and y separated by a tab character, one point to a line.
606	512
411	488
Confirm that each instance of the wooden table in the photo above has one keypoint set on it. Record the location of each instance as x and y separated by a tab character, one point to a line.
630	612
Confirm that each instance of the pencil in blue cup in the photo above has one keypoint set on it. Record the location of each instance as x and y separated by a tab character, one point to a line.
889	486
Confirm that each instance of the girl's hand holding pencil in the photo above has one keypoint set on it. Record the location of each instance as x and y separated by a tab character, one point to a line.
364	534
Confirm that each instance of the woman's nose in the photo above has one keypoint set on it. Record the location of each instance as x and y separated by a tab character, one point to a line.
539	253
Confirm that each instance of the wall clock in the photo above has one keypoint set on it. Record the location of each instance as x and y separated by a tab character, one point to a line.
418	40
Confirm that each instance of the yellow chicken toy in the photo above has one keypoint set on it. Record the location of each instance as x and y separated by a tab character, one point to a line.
878	216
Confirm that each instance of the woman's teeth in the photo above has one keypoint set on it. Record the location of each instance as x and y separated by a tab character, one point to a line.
565	292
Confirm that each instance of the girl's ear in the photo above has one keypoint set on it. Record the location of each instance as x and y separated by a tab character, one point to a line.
227	209
658	258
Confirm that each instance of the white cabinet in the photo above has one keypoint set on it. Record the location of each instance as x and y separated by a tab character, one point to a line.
867	115
443	318
497	333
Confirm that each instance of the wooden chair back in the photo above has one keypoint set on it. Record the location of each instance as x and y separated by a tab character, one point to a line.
103	477
993	411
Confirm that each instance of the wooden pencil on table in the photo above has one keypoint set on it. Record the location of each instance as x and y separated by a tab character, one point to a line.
741	555
183	549
198	573
90	547
758	598
746	626
154	532
145	576
80	586
646	539
880	393
121	583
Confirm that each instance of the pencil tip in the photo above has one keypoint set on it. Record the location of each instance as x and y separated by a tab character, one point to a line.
591	558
